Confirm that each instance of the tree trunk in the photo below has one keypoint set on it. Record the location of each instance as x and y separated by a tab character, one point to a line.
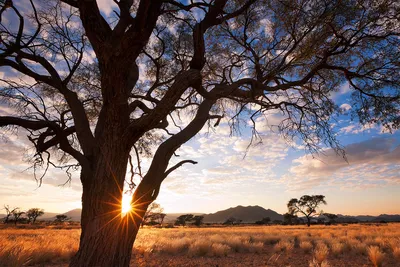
107	237
308	222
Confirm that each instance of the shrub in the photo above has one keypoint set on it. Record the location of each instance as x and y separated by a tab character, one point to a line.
321	251
396	253
284	245
219	250
199	248
375	256
315	263
336	248
306	246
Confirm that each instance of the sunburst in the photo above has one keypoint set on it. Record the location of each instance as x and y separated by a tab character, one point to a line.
126	205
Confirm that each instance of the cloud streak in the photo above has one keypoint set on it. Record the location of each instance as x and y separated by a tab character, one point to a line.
370	163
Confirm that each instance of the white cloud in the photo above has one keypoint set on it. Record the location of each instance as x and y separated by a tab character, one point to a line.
351	128
345	107
344	89
106	6
267	27
356	129
369	163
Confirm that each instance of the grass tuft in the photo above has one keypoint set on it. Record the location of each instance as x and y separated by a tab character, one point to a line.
375	255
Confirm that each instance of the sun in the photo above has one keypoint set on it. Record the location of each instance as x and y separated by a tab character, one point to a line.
126	203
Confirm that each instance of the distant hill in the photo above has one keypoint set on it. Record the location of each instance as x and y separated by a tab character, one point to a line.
367	218
249	214
75	214
48	216
171	217
387	218
364	218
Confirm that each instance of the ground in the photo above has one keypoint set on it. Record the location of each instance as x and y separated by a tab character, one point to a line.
317	246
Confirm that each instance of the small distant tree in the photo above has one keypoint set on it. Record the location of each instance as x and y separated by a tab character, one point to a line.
161	218
198	220
153	214
265	220
17	213
331	217
181	220
61	218
9	213
33	214
230	221
306	205
289	218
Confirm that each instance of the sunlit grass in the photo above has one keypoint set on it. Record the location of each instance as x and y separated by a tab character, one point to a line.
318	245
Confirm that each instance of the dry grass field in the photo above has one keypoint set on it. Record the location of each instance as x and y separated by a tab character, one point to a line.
317	246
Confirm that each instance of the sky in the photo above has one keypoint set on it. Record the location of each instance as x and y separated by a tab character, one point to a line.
230	173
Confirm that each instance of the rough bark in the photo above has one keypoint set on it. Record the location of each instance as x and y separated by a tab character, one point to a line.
107	237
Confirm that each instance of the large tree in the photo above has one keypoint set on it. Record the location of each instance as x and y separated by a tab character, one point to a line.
91	90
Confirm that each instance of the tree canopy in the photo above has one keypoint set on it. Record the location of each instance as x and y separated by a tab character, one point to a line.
33	214
306	205
183	219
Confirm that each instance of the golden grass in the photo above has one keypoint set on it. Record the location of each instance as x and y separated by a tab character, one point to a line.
396	253
321	252
375	255
23	247
315	263
306	246
336	248
317	244
284	245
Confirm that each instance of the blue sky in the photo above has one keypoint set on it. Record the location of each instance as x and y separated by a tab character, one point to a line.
229	173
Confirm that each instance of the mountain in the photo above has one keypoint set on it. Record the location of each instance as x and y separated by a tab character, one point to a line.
75	214
249	214
48	216
387	218
364	218
171	217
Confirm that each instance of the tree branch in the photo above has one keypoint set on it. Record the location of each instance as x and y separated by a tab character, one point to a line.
61	135
73	3
176	166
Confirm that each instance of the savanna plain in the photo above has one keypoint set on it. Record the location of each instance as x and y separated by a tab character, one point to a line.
275	245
